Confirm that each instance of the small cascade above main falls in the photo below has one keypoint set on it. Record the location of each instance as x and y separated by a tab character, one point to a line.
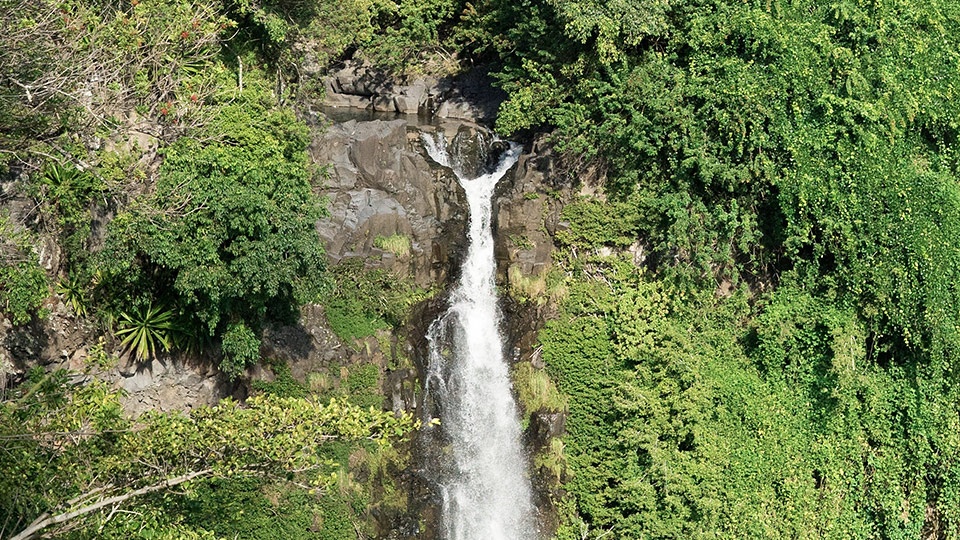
484	482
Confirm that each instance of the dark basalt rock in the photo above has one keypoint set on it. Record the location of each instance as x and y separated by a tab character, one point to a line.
470	96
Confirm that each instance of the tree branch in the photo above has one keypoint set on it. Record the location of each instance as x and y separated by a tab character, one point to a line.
45	520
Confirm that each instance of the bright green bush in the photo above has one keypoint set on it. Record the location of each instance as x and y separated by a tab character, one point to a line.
241	349
693	416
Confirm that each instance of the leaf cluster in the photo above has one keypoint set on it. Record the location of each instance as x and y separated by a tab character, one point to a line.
70	446
228	236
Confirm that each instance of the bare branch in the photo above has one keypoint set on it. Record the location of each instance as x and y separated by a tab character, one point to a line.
47	520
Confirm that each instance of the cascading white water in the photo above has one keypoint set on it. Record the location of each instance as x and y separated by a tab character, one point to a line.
486	490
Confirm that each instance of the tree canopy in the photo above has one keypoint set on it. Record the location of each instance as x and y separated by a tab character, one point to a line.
228	234
784	362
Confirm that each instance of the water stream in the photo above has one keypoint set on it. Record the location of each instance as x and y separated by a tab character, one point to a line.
485	487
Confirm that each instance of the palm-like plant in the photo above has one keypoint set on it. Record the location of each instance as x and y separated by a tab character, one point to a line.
146	328
74	293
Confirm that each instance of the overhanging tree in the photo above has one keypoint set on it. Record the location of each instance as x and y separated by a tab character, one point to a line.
70	456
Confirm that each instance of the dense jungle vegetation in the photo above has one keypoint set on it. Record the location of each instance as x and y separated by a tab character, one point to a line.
758	319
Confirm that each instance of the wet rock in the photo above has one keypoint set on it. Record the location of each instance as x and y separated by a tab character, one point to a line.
528	209
547	425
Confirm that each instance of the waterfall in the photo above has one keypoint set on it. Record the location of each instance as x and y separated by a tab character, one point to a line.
485	487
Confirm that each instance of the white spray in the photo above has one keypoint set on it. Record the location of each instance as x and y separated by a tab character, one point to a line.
486	490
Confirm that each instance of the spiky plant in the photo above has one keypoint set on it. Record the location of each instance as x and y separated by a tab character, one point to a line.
74	293
146	329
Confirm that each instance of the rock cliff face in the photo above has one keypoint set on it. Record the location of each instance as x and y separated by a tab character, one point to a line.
381	185
469	96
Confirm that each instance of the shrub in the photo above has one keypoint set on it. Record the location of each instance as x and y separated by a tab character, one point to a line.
23	282
228	236
241	349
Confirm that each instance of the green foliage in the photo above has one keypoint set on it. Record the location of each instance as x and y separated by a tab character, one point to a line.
284	28
252	509
69	446
241	349
693	416
23	283
229	233
535	391
74	293
362	385
145	330
21	119
23	288
98	358
408	28
612	28
805	150
283	384
70	72
710	120
593	223
360	301
350	318
66	193
398	244
520	241
358	384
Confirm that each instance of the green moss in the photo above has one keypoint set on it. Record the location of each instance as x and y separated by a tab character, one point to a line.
283	384
359	302
552	460
521	241
526	288
536	391
398	244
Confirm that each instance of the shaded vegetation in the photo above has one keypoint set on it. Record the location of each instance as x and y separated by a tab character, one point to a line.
23	282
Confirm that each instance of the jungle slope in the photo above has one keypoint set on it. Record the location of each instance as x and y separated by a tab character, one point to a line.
760	332
759	317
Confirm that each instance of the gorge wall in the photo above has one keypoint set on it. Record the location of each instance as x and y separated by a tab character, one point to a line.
379	184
